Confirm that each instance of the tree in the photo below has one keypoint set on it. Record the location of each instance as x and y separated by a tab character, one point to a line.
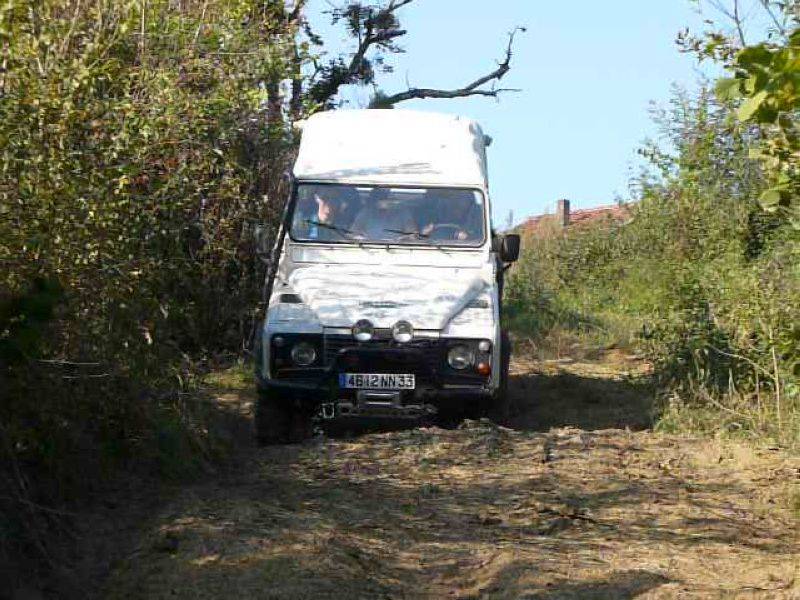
376	30
765	85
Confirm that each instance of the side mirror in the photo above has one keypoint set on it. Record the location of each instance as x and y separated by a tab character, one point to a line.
509	248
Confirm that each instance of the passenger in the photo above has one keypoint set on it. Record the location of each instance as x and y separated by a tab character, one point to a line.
381	219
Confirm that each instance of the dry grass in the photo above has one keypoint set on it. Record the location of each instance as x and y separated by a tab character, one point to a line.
541	510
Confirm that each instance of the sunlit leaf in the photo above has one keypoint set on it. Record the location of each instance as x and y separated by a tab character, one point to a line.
728	89
751	105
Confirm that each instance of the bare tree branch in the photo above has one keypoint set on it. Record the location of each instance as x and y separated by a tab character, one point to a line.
734	15
781	27
737	18
296	11
472	89
295	20
395	4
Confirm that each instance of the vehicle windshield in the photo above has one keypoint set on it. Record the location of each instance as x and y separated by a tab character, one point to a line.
358	214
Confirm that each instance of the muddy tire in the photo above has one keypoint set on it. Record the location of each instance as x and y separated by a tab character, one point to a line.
273	419
502	402
301	426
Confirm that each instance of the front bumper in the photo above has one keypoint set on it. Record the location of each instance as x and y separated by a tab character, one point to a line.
437	386
307	392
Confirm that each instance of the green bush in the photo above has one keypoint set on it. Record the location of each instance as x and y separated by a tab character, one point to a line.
699	278
136	157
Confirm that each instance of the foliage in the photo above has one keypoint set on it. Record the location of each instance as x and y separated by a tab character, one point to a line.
699	278
767	80
764	86
135	158
23	319
705	279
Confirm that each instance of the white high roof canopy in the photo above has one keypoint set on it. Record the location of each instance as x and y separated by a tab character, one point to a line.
398	147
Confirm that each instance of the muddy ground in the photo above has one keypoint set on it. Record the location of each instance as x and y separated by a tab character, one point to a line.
576	498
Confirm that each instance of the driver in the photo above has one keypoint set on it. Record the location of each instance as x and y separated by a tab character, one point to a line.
455	218
328	208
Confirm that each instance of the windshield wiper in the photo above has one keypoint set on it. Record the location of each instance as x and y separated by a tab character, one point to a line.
416	234
345	233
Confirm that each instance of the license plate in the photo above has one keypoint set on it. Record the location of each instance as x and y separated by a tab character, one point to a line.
376	381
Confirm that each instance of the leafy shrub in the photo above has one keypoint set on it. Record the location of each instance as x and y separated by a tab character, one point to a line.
137	156
699	278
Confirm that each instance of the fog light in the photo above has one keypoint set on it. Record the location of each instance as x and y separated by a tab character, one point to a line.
304	354
484	368
460	357
363	330
403	332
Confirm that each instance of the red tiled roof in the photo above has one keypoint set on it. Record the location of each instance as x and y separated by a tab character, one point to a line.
616	212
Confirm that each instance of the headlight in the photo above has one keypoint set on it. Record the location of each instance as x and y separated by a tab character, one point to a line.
460	357
304	354
363	330
403	332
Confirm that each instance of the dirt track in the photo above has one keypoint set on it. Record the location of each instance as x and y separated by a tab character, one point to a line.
577	499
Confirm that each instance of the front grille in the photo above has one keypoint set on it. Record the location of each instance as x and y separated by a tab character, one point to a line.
431	350
426	358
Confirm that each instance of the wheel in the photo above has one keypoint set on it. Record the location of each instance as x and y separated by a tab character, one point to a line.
278	422
273	419
300	426
450	418
502	403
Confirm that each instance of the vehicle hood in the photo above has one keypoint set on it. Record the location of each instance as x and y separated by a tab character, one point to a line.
427	297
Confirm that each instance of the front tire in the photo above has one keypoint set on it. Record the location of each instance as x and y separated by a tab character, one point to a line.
272	419
502	403
278	421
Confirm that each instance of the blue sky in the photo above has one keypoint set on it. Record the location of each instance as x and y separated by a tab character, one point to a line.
588	71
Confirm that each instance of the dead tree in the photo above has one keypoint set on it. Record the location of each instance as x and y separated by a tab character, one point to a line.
376	30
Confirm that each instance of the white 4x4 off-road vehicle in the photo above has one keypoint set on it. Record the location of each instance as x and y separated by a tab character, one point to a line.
386	282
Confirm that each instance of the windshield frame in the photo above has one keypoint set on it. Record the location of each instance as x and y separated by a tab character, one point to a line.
415	243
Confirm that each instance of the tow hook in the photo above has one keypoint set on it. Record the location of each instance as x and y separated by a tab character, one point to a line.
327	410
